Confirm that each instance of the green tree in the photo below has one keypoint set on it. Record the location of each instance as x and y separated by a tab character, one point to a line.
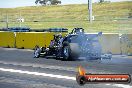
44	2
100	1
55	2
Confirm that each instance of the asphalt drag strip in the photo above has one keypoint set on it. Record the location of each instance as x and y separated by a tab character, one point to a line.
18	69
47	77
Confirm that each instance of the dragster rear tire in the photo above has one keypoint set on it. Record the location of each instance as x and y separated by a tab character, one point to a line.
74	51
71	51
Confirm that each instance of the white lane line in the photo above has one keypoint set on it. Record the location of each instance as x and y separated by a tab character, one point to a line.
37	74
122	85
56	76
39	65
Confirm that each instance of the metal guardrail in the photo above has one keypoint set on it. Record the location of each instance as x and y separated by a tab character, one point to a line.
23	29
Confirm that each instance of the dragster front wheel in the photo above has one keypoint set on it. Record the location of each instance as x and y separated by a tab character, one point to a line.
66	52
36	52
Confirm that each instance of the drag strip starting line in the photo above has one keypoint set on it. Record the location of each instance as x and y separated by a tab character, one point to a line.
55	76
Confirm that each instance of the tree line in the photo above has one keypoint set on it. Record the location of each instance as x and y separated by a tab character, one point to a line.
54	2
48	2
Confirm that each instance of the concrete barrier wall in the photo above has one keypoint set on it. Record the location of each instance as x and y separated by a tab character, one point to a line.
110	43
126	44
31	39
7	39
130	44
25	40
114	43
43	39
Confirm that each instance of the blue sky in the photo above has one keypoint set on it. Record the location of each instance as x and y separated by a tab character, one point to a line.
20	3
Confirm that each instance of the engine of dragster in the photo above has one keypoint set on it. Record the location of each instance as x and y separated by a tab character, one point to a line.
55	46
